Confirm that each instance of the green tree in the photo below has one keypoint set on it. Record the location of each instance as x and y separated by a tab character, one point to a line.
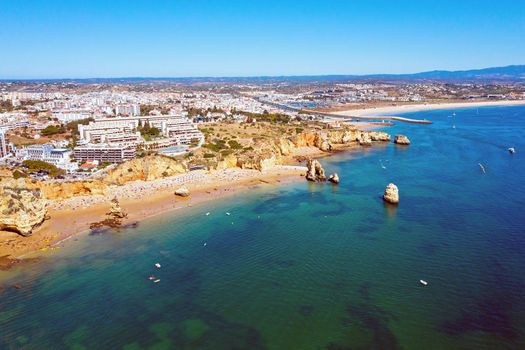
52	130
38	165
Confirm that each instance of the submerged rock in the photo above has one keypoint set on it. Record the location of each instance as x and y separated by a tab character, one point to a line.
391	194
315	171
21	208
182	191
401	140
334	178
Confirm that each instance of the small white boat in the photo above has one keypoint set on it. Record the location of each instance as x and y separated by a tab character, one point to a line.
482	168
205	244
511	150
228	214
156	281
157	265
208	213
423	282
151	278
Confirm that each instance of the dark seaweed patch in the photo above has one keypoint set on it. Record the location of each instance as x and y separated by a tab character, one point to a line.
306	310
375	320
364	291
490	316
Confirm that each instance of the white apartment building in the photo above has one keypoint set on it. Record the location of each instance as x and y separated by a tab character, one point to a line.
182	129
171	126
122	138
4	145
128	110
105	153
14	120
59	157
94	131
66	116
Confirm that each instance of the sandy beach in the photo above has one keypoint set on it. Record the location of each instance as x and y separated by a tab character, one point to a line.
389	110
140	200
144	199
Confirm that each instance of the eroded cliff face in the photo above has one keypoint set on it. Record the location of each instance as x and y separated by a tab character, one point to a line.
68	189
22	208
230	161
268	153
145	169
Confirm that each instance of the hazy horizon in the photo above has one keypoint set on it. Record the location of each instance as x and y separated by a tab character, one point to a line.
253	76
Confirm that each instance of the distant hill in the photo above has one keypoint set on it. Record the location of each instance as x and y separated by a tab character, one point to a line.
515	73
508	73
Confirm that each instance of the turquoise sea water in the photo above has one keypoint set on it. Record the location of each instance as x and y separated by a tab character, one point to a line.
310	266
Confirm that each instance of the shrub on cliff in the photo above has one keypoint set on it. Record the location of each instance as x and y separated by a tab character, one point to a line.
38	165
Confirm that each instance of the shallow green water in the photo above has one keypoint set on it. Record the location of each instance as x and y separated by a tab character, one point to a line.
310	266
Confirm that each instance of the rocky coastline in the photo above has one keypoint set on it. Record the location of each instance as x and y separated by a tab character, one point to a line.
31	198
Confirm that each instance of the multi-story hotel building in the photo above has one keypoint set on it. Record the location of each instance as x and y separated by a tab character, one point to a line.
127	109
105	153
4	144
180	128
59	157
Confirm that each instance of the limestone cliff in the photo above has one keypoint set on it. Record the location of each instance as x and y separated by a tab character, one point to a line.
66	189
230	161
145	169
267	153
21	208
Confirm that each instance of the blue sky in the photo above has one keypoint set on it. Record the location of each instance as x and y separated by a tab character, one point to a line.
157	38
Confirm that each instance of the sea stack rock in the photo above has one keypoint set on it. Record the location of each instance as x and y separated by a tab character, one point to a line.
401	140
334	178
116	212
379	136
182	192
391	194
315	171
21	209
364	139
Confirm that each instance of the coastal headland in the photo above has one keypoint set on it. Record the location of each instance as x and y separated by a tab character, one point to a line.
145	190
146	186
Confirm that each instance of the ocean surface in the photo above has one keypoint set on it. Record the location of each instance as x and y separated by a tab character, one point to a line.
309	266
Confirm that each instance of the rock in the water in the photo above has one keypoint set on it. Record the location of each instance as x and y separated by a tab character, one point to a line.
379	136
315	171
391	194
334	178
21	208
364	139
182	192
401	140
